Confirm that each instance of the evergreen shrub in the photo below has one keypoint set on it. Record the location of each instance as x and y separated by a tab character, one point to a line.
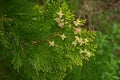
43	42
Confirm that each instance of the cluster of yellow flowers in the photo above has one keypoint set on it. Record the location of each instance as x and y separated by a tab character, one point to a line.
61	24
77	40
77	30
80	41
59	20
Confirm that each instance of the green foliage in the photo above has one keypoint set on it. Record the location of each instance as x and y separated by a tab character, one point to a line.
44	42
104	66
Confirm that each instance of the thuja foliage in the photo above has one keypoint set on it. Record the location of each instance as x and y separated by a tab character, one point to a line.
43	42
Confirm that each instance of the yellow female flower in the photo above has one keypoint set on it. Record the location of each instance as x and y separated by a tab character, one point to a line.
51	43
63	36
77	30
74	43
77	22
60	14
61	24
